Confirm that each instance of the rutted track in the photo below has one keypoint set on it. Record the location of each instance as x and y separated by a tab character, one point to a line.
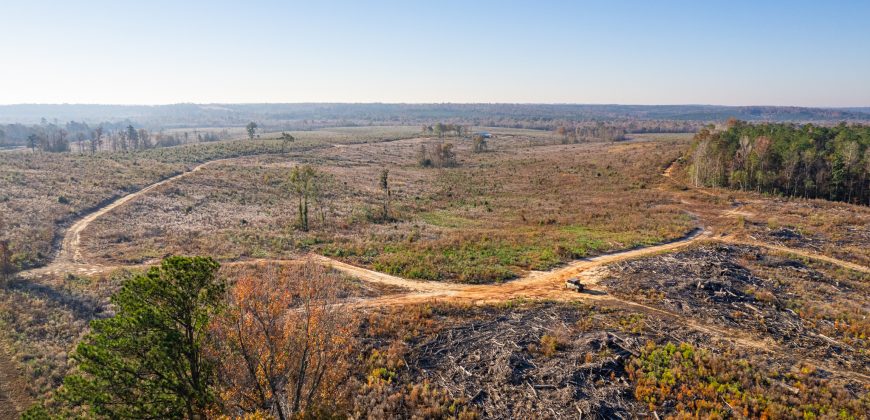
535	285
69	259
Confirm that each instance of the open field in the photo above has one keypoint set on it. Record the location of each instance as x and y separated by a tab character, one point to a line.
273	210
707	325
494	216
42	193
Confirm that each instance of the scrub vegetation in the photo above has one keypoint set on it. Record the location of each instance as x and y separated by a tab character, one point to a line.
490	218
342	275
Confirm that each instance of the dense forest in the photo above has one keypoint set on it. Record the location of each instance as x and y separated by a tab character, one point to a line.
793	160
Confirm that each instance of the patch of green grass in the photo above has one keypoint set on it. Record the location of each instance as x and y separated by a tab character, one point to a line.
479	261
491	256
443	218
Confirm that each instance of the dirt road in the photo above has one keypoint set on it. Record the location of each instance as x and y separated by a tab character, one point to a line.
13	392
69	257
535	285
734	212
548	285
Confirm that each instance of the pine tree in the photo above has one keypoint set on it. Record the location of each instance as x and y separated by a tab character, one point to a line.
147	361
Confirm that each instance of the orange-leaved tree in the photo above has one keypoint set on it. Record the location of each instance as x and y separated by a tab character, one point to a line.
282	342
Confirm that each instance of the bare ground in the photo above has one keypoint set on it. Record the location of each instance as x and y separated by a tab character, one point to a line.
536	285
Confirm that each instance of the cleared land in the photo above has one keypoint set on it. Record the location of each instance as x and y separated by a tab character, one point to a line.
43	193
711	329
493	217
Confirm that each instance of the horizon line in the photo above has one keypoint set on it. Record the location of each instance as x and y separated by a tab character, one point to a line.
428	103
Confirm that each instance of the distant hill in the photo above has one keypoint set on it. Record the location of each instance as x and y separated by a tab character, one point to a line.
314	114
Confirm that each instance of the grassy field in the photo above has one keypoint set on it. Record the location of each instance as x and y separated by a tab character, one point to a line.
687	333
529	203
42	192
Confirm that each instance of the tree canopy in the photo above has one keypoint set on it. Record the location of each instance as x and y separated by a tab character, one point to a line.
793	160
147	361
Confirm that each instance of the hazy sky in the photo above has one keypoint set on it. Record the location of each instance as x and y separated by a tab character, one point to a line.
809	53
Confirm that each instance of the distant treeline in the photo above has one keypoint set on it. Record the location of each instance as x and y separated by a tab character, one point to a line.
592	132
793	160
576	132
80	137
306	116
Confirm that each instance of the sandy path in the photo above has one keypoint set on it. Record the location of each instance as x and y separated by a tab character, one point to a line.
668	173
70	250
548	285
535	285
69	257
800	253
13	394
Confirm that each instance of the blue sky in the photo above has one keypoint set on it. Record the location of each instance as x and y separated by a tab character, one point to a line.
806	53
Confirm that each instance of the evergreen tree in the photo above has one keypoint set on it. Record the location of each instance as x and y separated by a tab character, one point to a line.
251	128
147	360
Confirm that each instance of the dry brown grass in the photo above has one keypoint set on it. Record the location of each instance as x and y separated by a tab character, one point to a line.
40	193
836	229
528	204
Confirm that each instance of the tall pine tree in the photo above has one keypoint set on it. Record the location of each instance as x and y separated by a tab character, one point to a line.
147	360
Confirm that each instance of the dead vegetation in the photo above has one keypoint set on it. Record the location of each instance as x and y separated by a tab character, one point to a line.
838	230
671	356
543	360
835	229
45	316
491	218
42	193
815	310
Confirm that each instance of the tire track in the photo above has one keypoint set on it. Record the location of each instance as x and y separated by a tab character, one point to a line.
547	285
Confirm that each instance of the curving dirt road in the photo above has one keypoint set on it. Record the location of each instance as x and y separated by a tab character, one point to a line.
535	285
70	250
69	259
